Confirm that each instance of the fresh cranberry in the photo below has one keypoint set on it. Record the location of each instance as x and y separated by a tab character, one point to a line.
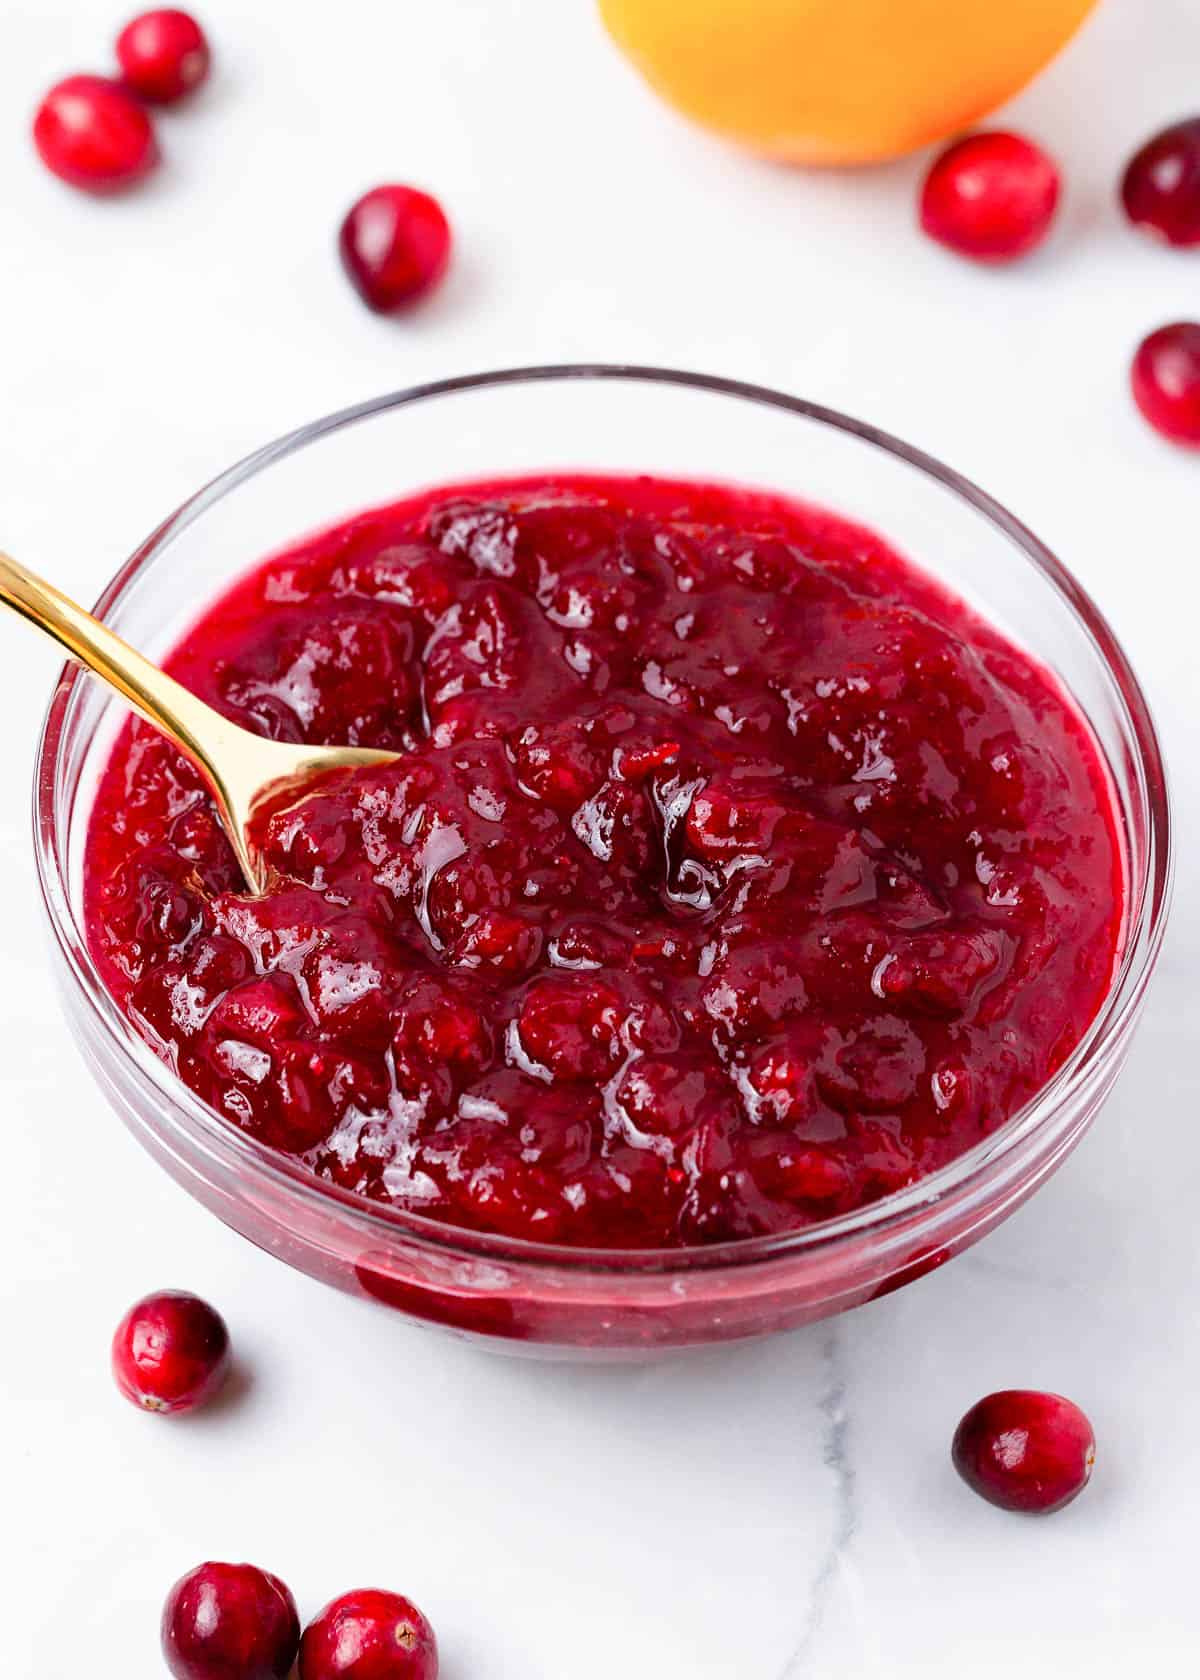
230	1621
170	1352
395	245
1166	381
991	197
1025	1451
92	133
163	55
1161	186
369	1635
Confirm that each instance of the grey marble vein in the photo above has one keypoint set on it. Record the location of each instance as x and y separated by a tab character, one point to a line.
844	1523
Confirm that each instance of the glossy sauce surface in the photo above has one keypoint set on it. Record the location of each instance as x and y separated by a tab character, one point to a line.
734	874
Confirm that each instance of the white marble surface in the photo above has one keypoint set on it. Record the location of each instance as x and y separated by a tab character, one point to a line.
776	1512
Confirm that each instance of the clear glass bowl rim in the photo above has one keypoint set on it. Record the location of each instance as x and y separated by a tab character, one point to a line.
205	1129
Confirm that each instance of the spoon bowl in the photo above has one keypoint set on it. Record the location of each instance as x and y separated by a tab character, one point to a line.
247	775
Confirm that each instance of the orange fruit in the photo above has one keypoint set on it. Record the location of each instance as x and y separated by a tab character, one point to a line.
840	81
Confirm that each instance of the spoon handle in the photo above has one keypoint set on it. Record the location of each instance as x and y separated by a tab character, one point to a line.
194	727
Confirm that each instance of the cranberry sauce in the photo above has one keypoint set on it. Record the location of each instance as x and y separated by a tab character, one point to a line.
733	875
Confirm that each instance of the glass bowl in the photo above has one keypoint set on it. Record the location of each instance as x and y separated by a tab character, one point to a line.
537	1297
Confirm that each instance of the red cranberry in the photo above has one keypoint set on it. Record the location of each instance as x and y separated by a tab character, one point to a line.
497	940
1166	381
569	1025
395	245
93	134
170	1352
991	197
369	1635
1161	186
163	55
1025	1451
230	1621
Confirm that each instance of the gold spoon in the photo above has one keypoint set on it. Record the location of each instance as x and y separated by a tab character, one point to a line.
245	773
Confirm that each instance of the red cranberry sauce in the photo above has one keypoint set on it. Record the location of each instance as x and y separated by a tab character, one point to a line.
734	875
